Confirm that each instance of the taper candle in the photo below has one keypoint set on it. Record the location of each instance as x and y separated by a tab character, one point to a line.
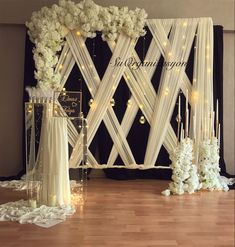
33	203
212	123
179	118
217	118
186	99
186	123
52	201
186	114
181	132
219	135
194	127
179	107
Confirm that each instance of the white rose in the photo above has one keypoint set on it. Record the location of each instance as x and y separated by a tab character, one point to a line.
86	27
166	192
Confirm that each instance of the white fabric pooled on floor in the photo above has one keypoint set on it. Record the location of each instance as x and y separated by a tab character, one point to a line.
43	216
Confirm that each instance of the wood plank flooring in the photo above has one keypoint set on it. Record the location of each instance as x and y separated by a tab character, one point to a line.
132	213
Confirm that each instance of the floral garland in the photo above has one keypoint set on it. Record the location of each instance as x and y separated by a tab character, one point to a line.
209	166
184	175
49	26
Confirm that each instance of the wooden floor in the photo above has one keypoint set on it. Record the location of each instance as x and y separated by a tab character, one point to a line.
132	213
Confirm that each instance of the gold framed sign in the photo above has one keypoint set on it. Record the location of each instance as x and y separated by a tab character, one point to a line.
67	104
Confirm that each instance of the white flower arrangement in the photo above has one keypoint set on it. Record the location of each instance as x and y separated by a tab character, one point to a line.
184	172
49	26
209	166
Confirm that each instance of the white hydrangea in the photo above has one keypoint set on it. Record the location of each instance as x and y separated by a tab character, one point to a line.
49	26
209	166
184	173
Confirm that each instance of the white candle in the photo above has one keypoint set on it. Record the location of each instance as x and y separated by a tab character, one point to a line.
209	125
186	123
212	123
219	135
194	127
186	114
195	113
33	203
217	117
179	118
52	201
186	99
204	129
179	107
181	132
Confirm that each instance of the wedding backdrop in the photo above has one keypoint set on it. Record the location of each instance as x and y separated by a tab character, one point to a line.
152	103
138	90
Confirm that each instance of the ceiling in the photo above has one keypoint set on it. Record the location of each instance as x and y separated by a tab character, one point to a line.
221	11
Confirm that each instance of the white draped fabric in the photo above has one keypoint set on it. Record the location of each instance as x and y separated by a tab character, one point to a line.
43	216
202	90
173	39
53	160
102	95
174	49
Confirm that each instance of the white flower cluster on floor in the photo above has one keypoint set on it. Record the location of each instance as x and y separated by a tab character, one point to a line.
209	166
186	177
184	173
49	26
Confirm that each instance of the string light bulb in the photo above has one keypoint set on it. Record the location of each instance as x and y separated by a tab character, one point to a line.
29	108
178	119
113	44
63	91
56	109
166	91
195	95
142	120
169	54
112	102
61	67
90	102
78	33
129	103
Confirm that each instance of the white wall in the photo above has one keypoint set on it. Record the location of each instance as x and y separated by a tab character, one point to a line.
228	91
12	43
12	38
221	11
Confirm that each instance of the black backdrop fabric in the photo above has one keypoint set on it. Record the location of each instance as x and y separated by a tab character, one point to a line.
138	135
